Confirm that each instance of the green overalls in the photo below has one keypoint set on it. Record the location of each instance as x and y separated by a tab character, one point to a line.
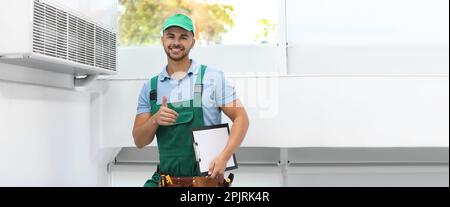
176	153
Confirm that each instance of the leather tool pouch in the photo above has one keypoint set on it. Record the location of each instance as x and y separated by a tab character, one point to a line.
197	181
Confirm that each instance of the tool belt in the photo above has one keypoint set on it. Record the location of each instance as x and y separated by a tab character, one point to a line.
196	181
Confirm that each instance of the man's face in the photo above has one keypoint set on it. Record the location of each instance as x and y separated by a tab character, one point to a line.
177	43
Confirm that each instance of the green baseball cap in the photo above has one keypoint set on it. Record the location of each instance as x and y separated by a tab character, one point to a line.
180	20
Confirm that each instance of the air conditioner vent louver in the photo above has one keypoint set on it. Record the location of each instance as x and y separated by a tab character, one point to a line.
105	48
66	36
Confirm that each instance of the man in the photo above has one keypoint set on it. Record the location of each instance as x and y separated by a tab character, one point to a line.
183	96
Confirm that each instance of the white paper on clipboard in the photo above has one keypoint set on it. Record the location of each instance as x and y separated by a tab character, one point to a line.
208	143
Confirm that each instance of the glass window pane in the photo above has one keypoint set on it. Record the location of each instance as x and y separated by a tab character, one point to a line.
218	22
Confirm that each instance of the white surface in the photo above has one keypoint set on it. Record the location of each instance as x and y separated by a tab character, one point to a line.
208	144
316	111
142	62
362	22
368	175
40	77
350	112
368	59
368	37
48	138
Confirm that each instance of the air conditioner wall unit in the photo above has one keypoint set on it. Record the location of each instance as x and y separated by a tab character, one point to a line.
43	35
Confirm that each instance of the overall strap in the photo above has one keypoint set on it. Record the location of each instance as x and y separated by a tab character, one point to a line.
198	88
153	94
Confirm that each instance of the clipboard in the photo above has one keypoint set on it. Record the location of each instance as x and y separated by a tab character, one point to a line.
208	142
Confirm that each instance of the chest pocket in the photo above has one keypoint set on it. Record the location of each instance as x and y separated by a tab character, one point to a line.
184	117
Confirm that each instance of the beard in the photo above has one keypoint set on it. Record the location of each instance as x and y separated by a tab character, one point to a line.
183	53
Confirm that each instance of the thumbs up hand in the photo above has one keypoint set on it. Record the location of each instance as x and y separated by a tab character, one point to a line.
165	116
164	101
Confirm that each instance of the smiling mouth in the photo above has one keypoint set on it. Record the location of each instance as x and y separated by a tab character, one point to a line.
176	50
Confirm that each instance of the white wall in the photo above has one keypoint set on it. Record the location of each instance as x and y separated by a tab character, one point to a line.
368	37
48	137
316	111
141	62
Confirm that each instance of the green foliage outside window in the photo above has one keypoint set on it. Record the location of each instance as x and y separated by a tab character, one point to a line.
141	21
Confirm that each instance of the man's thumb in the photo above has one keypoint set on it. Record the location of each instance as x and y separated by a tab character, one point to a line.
164	101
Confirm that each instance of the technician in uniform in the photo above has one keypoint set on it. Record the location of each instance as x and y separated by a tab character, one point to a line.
183	96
